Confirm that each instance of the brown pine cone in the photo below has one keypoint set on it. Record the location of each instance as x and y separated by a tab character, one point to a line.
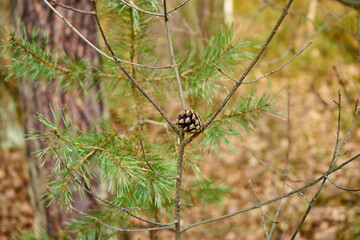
190	121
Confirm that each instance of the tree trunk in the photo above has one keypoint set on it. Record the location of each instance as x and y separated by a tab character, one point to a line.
34	13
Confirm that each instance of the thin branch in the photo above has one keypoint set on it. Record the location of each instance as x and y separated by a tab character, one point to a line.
265	164
301	194
149	165
343	85
133	6
309	208
93	46
332	164
107	225
262	212
337	18
269	73
246	73
39	58
339	150
173	60
274	199
345	189
142	122
286	160
177	7
333	160
257	198
348	133
72	9
225	74
132	79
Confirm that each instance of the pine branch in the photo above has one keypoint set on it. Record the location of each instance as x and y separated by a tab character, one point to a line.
245	74
132	79
40	59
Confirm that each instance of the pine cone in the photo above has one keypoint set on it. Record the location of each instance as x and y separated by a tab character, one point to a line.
190	121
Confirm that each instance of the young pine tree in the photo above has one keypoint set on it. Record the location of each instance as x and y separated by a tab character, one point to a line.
169	108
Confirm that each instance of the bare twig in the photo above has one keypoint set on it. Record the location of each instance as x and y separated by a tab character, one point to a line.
336	155
93	46
301	194
339	19
132	5
72	9
309	208
257	198
173	60
343	85
269	73
345	189
262	212
265	164
333	160
348	133
142	122
107	225
177	7
337	151
286	161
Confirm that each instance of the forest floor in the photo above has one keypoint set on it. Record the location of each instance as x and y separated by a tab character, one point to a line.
15	209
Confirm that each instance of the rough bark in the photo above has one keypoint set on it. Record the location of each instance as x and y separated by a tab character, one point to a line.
34	13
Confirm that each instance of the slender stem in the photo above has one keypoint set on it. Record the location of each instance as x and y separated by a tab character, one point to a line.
308	209
72	9
262	212
286	163
269	73
173	60
300	193
178	186
133	6
345	189
177	7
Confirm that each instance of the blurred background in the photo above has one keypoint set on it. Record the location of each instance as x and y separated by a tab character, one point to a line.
329	65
